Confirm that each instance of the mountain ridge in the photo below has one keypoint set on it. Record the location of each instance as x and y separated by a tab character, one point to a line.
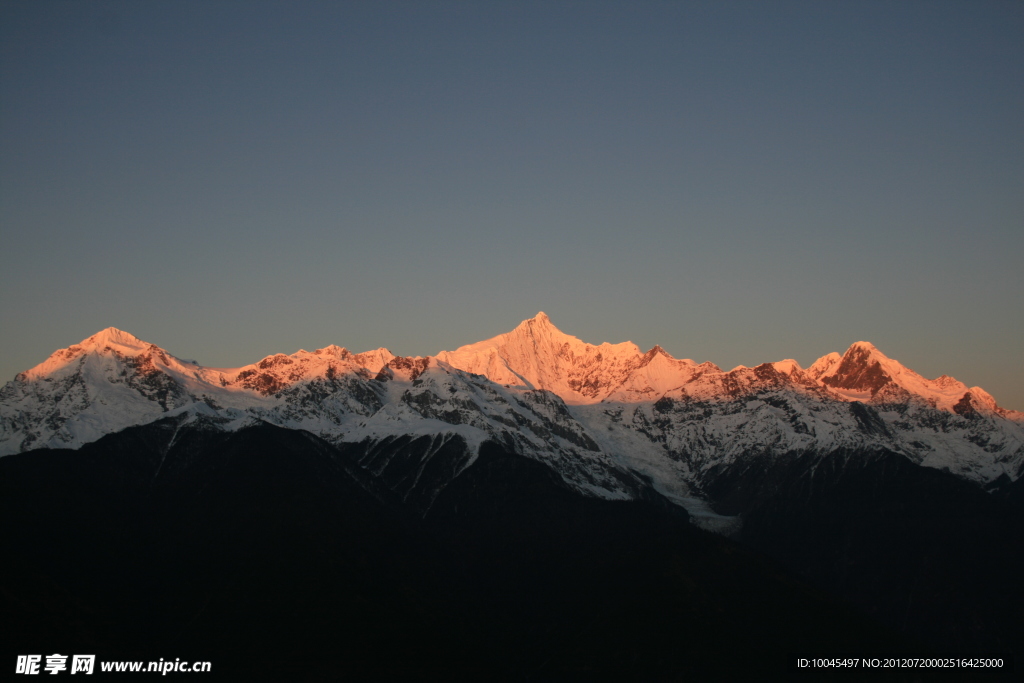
893	493
613	418
841	372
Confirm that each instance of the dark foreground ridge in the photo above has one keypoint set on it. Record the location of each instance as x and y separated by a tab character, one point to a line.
272	554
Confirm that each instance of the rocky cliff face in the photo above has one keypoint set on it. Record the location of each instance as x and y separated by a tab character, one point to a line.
445	506
612	420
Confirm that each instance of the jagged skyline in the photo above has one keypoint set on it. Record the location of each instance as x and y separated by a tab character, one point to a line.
465	356
539	390
734	182
521	358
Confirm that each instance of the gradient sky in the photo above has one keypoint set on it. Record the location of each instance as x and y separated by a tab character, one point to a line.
738	182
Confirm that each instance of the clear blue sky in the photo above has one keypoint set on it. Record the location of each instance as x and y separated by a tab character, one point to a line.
738	182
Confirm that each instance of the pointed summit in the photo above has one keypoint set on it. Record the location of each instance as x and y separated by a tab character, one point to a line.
864	371
657	350
113	337
863	368
537	355
541	321
107	340
863	347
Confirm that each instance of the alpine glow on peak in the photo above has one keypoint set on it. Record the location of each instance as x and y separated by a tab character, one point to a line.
606	413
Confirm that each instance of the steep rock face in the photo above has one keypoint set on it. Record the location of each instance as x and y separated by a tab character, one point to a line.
294	489
612	420
700	415
109	381
113	380
864	373
374	398
858	371
537	355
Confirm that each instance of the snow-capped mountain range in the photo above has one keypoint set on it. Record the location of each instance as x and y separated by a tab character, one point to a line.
611	419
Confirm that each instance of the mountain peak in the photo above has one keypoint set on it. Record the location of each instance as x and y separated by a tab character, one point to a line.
863	368
537	355
539	321
824	365
112	336
862	346
788	367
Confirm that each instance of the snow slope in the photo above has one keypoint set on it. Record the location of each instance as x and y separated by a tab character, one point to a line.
610	418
